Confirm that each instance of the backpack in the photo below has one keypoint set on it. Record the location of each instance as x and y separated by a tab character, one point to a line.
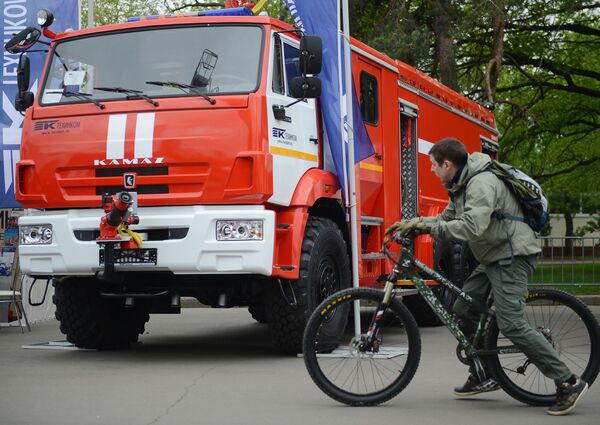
529	194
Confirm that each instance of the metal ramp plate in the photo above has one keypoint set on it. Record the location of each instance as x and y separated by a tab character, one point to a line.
51	345
384	353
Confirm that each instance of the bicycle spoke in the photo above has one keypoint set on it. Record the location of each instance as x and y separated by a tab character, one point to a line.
356	368
566	324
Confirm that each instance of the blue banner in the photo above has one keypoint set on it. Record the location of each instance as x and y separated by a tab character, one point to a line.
16	16
321	18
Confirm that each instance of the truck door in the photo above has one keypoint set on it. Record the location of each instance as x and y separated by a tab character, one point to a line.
293	141
409	194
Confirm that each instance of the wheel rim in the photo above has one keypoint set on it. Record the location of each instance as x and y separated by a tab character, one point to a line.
328	279
351	371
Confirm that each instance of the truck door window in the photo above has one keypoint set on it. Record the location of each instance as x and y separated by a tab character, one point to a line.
291	57
286	66
369	98
278	74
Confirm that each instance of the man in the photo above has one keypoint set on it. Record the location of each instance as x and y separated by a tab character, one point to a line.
506	251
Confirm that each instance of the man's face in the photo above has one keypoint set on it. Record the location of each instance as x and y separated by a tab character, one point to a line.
444	171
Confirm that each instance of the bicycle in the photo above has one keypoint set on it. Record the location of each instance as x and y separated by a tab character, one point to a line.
374	358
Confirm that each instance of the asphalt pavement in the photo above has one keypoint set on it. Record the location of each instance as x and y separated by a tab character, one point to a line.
217	367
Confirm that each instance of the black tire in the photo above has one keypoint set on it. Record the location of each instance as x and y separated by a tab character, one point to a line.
257	311
448	258
89	321
570	326
324	269
391	366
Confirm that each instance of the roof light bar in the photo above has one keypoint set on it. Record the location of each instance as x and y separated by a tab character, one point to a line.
237	11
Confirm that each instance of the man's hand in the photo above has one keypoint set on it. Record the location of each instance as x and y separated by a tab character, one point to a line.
402	227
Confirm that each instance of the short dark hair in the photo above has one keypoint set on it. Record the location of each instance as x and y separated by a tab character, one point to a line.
450	149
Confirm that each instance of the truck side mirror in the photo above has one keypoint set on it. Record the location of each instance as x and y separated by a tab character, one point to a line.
23	71
305	87
23	40
23	98
311	54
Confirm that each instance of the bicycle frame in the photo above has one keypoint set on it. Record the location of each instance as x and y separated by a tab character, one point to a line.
405	266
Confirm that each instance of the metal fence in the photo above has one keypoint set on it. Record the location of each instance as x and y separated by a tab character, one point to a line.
568	261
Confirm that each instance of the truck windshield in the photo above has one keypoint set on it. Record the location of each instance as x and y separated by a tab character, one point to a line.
208	60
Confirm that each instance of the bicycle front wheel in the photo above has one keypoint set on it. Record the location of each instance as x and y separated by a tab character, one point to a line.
572	330
341	365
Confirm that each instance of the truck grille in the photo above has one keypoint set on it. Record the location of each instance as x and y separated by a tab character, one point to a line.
153	234
179	180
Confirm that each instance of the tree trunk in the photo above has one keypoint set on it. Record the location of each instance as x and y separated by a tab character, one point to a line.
492	71
444	43
568	233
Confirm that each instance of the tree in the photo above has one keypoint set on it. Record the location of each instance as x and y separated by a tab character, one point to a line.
114	11
536	60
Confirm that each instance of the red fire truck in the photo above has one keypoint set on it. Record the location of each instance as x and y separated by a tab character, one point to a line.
187	121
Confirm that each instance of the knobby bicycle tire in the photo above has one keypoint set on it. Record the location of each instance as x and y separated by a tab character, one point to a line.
573	331
349	375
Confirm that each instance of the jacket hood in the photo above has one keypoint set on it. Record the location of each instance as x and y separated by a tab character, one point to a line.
476	163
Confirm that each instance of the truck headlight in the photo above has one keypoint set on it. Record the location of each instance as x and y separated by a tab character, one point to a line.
35	235
239	230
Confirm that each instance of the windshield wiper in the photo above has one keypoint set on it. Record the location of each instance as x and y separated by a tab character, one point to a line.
183	87
132	93
85	97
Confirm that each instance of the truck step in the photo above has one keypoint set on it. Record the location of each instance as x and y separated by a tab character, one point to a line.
366	220
373	256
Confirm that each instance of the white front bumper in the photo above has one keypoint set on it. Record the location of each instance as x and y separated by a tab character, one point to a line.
197	253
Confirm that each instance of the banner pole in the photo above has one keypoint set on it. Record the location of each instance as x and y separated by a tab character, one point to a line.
351	164
90	13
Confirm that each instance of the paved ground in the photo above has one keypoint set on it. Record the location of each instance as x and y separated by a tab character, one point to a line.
216	367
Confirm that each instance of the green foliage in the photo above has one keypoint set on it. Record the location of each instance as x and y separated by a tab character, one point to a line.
115	11
592	226
548	94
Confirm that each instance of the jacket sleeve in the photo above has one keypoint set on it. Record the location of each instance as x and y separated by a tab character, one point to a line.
480	202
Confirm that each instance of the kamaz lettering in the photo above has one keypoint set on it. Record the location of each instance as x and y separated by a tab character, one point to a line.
125	161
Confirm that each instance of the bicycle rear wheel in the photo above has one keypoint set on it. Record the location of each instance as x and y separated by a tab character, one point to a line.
352	375
571	329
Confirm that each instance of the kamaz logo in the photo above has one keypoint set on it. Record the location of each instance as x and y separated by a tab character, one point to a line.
129	180
45	125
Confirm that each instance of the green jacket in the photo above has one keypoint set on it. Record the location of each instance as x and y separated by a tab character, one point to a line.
468	216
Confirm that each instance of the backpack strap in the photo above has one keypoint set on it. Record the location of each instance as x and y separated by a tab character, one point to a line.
503	216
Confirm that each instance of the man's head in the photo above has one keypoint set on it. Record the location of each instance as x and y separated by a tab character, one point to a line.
447	157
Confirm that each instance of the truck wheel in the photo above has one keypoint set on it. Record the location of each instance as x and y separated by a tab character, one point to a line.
450	259
257	311
90	321
324	269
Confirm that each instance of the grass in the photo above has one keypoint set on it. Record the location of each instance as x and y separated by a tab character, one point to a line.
574	278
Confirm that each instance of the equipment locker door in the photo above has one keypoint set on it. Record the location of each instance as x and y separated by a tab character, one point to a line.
409	194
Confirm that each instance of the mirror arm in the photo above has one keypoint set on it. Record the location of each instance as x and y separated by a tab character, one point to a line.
294	102
297	31
48	34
